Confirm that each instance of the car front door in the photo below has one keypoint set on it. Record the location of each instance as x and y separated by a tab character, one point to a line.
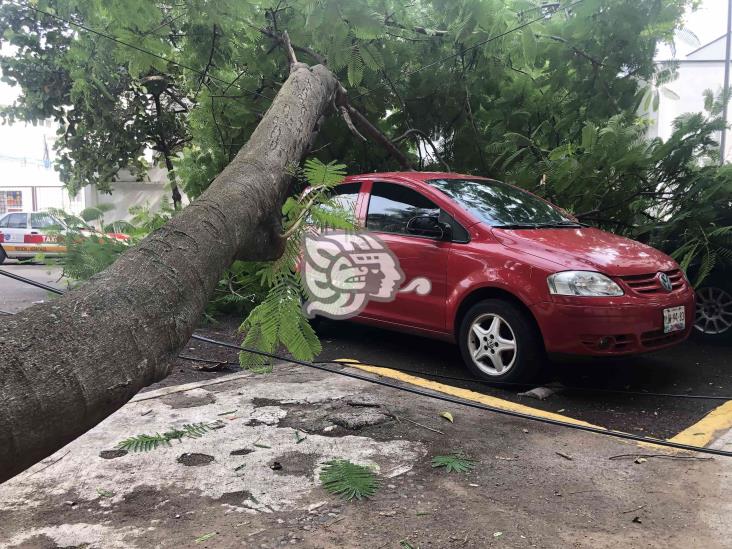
394	214
16	226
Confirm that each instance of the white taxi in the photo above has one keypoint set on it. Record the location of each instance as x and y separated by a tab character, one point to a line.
23	235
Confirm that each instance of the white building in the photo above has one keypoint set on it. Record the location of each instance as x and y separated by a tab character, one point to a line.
699	70
28	180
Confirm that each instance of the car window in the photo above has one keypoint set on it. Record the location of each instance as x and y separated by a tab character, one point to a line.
342	199
18	221
459	233
346	195
44	221
499	204
391	206
4	221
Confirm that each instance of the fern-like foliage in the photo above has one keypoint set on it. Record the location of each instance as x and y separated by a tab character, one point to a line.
145	443
457	462
348	480
278	320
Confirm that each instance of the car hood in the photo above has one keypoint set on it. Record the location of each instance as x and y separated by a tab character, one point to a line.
586	248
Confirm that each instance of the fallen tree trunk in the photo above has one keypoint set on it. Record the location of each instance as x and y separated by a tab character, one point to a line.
67	364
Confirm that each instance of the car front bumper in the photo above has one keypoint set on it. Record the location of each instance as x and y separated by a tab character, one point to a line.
620	326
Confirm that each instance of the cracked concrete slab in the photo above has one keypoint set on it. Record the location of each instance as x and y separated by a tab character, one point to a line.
214	466
257	485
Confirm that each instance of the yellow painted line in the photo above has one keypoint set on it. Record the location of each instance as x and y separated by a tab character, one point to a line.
700	434
464	393
707	428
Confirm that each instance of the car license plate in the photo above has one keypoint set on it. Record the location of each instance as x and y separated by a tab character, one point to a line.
674	319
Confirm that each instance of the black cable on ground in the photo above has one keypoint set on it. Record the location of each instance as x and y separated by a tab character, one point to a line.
476	405
407	371
31	282
560	387
208	360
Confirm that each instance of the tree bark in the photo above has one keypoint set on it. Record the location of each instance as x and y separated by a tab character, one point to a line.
67	364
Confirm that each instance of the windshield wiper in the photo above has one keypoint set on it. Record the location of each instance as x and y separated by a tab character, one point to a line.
517	226
559	224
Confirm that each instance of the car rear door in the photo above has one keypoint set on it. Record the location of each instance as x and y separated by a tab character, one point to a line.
45	233
390	207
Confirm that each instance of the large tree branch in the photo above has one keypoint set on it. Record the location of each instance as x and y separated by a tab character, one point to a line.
342	103
105	340
426	139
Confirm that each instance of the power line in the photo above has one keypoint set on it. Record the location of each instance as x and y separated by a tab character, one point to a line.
476	405
500	384
83	27
31	282
474	46
419	372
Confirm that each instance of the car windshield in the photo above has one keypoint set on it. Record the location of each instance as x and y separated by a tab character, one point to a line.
502	205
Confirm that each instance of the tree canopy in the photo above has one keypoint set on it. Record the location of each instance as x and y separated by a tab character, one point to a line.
543	96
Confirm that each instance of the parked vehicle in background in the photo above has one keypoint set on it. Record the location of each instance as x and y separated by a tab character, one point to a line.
25	235
513	276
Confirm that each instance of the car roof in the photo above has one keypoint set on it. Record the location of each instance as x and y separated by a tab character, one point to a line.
27	212
411	176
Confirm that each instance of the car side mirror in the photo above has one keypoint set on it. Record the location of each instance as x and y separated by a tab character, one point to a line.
428	225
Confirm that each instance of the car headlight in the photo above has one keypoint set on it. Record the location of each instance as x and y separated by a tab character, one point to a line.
582	283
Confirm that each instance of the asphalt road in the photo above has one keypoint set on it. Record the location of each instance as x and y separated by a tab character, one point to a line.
689	369
15	295
692	368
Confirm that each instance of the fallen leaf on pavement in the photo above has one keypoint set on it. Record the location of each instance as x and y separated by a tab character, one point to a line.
205	537
447	416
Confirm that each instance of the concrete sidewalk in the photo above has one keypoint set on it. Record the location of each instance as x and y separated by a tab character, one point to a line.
254	481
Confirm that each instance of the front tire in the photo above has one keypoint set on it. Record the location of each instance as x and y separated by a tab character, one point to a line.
3	255
713	320
499	342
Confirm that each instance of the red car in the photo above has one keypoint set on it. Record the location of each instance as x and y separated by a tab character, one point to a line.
513	276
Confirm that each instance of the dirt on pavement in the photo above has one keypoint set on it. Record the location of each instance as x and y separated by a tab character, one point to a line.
252	484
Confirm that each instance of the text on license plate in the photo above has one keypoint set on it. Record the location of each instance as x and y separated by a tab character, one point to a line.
674	319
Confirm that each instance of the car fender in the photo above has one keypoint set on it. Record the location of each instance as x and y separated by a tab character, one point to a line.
487	283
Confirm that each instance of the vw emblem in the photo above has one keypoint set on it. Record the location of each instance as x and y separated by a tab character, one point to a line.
665	281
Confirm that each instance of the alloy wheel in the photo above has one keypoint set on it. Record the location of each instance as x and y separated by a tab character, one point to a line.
492	344
713	311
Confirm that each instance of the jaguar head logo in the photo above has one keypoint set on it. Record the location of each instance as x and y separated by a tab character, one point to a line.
342	271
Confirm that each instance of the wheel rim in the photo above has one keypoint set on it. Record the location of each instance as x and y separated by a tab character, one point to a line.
713	311
492	344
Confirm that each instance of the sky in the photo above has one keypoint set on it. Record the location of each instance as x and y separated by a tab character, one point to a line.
708	22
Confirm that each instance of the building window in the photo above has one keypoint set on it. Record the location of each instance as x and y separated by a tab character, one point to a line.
11	201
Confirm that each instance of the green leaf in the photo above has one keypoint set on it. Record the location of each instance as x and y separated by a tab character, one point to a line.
355	66
454	463
318	173
205	537
145	443
348	480
589	135
671	94
447	416
528	42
